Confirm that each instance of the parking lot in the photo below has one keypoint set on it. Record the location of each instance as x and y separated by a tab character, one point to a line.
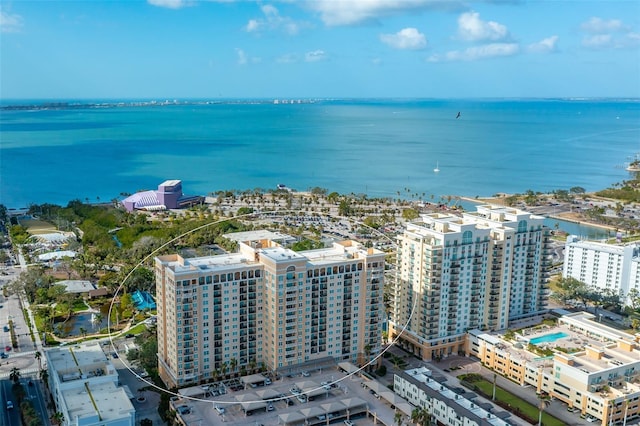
318	397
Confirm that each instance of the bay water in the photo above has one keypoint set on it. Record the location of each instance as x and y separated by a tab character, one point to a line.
382	148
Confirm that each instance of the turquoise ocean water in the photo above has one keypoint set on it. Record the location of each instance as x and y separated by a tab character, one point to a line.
374	147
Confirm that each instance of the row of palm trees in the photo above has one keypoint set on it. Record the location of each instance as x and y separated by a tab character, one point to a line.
232	368
15	375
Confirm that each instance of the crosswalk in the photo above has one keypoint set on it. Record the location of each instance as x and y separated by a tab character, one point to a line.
24	372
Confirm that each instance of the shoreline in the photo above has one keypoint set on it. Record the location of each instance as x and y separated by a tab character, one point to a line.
550	216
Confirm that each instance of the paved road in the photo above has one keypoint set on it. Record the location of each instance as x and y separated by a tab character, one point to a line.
8	417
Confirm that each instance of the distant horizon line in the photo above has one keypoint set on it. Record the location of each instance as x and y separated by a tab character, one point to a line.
64	102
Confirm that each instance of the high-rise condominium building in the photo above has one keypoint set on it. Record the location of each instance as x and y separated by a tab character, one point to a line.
456	273
266	305
615	267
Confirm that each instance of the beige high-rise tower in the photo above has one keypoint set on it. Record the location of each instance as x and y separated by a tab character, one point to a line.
266	305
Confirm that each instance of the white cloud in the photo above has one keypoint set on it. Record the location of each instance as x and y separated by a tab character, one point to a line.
272	21
608	34
472	28
544	46
169	4
598	41
242	57
478	52
287	58
335	12
376	61
405	39
10	23
315	56
598	25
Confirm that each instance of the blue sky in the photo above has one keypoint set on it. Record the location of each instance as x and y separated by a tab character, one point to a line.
166	49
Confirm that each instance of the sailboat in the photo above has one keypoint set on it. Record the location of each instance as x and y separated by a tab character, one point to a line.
437	169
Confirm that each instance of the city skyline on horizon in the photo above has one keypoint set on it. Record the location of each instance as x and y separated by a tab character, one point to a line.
178	49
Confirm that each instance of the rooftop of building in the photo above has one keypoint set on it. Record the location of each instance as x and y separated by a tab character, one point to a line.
258	235
217	263
105	401
463	404
599	246
277	253
171	182
340	251
79	362
76	286
588	345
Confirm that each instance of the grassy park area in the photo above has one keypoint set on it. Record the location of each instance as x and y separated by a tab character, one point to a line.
506	400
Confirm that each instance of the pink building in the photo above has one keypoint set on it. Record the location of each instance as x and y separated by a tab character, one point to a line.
168	196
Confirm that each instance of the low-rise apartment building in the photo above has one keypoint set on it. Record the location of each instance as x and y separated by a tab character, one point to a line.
266	305
84	386
423	390
587	365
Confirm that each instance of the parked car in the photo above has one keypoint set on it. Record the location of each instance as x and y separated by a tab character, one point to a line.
348	423
3	355
7	348
9	405
305	374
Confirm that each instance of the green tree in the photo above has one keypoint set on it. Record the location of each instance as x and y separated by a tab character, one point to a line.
633	298
543	403
344	208
421	416
44	376
509	335
38	357
14	375
333	197
410	214
398	418
57	418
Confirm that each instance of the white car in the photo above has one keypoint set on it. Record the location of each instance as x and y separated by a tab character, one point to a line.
348	423
591	419
305	374
219	409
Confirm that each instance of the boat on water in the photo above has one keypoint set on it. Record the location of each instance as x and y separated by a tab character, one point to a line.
437	169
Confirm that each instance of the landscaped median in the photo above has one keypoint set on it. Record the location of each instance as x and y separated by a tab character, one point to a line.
508	401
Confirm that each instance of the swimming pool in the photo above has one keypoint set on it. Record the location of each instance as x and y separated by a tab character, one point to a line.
548	338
